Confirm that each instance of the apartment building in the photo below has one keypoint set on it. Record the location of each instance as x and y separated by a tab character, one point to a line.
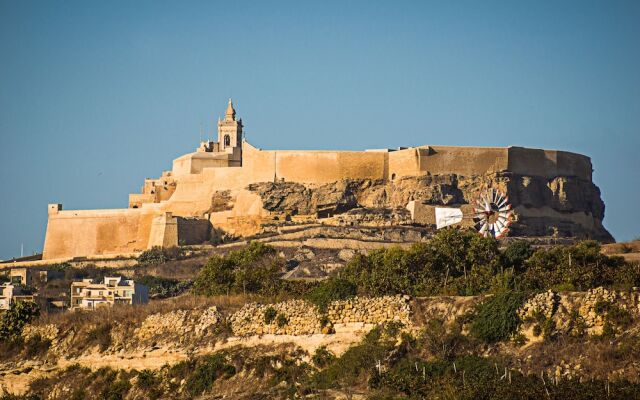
87	295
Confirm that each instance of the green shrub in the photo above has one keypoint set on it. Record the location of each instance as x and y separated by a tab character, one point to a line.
207	370
253	269
516	253
162	288
150	382
356	363
322	357
453	261
616	318
441	341
15	318
153	256
116	390
282	320
331	290
496	319
270	314
578	267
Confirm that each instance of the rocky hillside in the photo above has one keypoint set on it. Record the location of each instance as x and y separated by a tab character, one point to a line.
560	207
296	338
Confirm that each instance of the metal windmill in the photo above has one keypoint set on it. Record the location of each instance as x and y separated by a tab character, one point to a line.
492	214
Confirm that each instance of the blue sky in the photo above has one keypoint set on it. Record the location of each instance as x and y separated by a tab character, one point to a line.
96	96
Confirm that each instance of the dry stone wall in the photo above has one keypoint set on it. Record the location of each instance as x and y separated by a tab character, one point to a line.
303	318
571	310
178	325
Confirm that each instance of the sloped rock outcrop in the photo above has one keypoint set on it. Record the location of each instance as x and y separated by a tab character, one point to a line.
558	207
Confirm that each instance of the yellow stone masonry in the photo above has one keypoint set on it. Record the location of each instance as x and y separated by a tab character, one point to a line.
168	209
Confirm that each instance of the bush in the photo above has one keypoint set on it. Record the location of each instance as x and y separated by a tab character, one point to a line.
282	320
13	320
579	267
358	361
159	255
331	290
253	269
616	318
270	314
162	288
116	390
516	253
207	370
153	256
440	341
322	357
452	262
496	319
150	381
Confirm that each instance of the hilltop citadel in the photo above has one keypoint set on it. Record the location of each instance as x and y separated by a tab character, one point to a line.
232	187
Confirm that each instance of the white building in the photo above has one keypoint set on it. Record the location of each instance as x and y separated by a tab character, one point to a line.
10	293
87	295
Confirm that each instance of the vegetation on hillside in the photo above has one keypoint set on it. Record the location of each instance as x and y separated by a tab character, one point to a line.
453	262
439	362
388	363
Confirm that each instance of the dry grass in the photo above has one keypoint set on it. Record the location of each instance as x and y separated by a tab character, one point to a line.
621	248
598	358
137	313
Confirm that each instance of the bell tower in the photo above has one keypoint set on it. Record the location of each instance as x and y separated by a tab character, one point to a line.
229	129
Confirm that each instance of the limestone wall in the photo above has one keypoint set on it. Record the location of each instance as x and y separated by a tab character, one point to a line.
93	232
404	162
318	167
548	163
465	161
104	232
303	318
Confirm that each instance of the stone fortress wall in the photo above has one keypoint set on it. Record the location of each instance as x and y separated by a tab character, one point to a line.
210	185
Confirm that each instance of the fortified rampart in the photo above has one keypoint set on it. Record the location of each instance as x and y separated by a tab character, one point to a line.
219	186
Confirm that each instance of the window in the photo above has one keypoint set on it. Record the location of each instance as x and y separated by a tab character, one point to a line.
227	141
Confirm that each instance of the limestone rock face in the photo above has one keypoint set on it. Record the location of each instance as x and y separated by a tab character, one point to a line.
559	207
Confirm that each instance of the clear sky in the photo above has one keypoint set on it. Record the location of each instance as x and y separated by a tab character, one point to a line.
96	96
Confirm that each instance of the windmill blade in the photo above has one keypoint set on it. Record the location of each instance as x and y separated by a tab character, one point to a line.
503	201
484	228
487	205
502	234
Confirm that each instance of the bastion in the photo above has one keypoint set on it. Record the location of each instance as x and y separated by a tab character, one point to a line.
231	187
